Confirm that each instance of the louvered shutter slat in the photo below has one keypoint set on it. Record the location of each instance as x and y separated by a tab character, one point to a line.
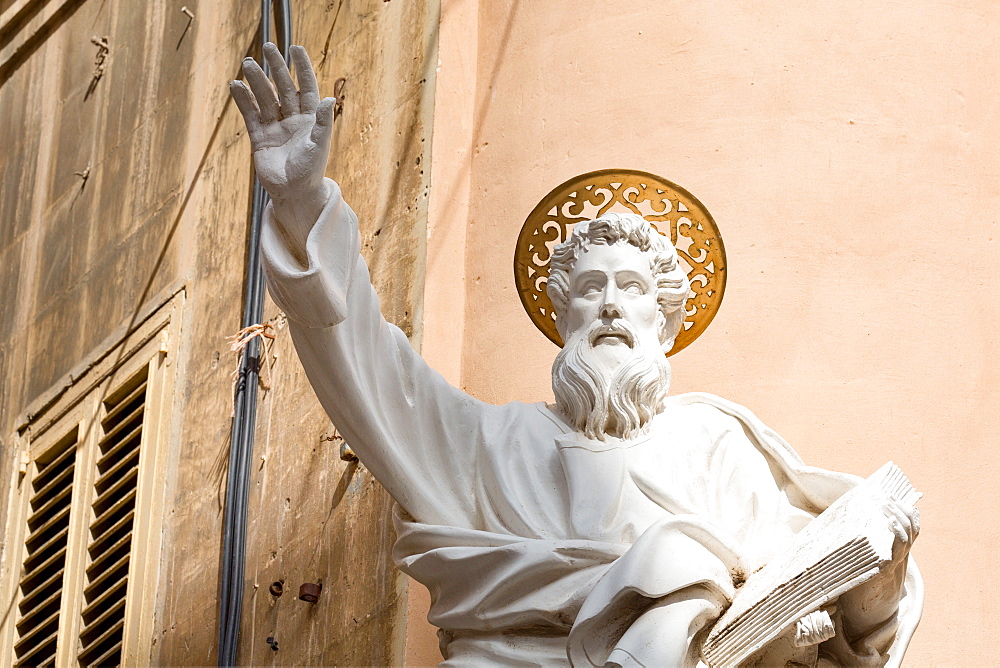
124	403
42	654
109	535
113	651
111	613
44	513
110	543
50	469
125	426
32	600
114	553
38	634
43	564
96	647
118	569
54	548
52	538
112	515
44	533
130	441
130	459
97	603
63	478
41	612
127	481
41	571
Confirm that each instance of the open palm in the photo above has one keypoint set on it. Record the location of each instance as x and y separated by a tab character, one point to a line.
290	131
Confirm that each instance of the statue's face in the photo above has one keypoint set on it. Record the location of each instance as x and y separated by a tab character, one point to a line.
609	284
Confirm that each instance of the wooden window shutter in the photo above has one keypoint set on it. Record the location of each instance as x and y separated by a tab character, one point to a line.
85	507
43	568
110	538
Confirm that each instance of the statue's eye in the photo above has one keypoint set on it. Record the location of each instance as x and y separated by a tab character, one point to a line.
589	287
634	289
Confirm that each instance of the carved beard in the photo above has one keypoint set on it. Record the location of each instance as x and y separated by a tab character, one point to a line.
601	401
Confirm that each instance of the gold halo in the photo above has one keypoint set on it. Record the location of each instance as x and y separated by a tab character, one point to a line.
671	209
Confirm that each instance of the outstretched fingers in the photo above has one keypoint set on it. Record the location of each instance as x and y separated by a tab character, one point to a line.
288	97
308	88
324	123
247	105
262	91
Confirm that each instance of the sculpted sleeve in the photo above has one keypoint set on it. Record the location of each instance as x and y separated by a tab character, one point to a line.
416	434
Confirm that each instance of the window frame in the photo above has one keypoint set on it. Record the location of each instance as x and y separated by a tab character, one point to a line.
79	402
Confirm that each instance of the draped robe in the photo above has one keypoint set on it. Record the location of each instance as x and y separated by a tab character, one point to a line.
538	545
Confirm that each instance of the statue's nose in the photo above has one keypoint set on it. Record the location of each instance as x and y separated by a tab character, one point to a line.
610	309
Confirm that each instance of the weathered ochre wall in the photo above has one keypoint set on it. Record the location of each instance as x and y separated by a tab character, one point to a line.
165	205
848	153
314	517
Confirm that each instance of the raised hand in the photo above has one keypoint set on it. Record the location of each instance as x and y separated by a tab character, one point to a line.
290	136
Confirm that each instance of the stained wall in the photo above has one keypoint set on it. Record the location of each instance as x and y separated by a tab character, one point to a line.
120	189
847	152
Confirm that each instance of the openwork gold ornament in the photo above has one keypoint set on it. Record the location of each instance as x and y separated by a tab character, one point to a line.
672	210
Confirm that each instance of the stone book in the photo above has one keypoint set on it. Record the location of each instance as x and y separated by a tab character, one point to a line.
843	547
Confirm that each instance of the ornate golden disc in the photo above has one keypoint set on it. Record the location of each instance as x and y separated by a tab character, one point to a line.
672	210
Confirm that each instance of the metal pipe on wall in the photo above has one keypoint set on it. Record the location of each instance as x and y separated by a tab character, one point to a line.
245	409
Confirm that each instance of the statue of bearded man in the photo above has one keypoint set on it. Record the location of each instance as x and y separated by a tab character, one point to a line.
611	528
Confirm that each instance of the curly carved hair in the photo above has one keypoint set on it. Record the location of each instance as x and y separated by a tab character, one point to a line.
672	285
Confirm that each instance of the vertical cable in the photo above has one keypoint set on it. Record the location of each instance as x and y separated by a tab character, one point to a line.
245	408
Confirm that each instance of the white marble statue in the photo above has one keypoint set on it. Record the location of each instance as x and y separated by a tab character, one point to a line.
610	528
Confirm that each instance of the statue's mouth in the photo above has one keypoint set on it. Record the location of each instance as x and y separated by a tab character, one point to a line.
611	334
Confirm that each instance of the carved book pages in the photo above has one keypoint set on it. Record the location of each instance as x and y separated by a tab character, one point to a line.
843	547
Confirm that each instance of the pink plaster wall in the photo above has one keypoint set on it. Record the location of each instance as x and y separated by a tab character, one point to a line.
847	151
